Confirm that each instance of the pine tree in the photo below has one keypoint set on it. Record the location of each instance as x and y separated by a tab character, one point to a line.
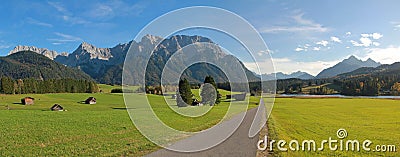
184	95
7	85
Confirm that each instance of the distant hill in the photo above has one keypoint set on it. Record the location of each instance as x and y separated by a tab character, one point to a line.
28	64
280	76
347	65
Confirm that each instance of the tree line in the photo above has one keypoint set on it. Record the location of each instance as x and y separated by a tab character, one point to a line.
370	85
34	86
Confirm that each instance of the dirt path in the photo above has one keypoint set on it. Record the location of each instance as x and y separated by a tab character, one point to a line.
239	144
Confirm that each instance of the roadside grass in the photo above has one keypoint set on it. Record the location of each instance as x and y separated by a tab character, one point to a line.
377	120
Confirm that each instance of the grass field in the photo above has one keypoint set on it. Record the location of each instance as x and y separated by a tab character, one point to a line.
86	130
106	129
377	120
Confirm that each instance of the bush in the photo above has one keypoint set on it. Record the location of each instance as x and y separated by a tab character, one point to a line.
117	90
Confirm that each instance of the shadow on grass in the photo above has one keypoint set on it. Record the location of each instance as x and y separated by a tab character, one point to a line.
81	102
122	108
228	100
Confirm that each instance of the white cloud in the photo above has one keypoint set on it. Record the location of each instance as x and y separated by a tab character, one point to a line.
396	25
299	24
266	52
376	43
355	43
39	23
365	35
101	11
109	9
4	45
386	55
64	38
377	35
336	39
75	20
287	65
364	41
68	16
348	33
58	6
367	40
316	48
299	49
322	42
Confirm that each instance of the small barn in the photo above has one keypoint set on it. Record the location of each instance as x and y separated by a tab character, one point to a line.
57	107
196	102
90	100
27	101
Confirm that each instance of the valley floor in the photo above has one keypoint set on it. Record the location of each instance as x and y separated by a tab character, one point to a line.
101	129
106	129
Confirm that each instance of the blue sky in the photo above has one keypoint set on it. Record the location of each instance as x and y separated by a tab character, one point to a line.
301	35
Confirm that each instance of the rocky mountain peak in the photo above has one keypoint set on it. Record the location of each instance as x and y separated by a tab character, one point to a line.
43	51
94	52
347	65
371	62
352	57
151	39
352	60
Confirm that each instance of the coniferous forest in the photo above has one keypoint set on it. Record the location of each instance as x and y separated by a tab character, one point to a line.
33	86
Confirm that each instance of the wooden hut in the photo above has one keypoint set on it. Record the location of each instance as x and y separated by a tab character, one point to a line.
27	101
90	100
196	102
57	107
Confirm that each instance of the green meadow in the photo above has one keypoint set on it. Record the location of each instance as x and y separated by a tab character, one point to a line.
300	119
105	129
88	130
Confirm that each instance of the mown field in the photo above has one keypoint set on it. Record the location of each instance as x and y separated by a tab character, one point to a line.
103	129
299	119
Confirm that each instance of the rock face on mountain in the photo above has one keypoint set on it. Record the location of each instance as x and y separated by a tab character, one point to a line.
46	52
347	65
280	76
203	48
106	64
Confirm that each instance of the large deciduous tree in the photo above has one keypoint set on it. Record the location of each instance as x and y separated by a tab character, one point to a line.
209	93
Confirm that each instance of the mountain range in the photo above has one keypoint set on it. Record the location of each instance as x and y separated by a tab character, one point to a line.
382	70
347	65
105	65
280	76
